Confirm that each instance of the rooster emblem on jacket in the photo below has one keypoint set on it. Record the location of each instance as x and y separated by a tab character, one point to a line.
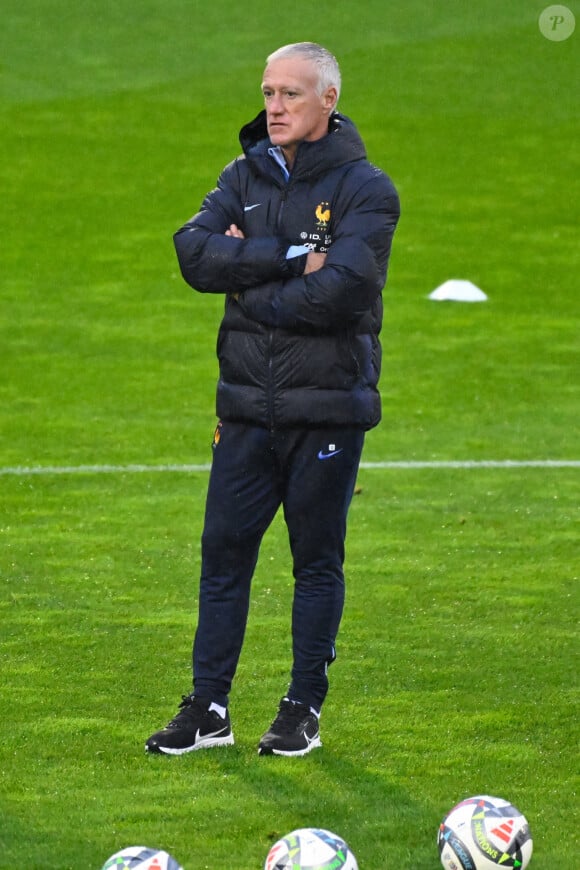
323	215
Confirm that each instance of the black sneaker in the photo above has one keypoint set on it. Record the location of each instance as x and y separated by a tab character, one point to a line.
294	731
194	727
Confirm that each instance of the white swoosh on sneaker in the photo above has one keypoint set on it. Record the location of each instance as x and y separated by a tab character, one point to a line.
311	743
250	207
202	741
212	735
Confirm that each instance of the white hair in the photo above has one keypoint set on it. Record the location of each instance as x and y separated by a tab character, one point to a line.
325	62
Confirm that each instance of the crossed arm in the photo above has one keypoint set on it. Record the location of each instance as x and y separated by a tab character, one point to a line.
317	291
314	260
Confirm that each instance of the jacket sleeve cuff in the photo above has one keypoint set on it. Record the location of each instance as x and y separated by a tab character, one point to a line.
295	264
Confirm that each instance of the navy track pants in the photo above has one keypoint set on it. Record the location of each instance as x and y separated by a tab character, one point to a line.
311	474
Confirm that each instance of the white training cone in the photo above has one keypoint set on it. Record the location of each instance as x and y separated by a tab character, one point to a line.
458	291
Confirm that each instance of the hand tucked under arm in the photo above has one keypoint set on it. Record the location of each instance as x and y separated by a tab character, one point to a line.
235	231
314	262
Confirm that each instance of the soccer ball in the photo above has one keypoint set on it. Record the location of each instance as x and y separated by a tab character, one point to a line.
484	833
141	858
310	849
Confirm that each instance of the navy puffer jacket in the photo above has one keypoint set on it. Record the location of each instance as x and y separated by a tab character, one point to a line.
296	350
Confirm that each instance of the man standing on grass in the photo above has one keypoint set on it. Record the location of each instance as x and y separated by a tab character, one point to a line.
297	237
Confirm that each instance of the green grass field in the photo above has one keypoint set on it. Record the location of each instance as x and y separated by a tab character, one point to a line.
458	655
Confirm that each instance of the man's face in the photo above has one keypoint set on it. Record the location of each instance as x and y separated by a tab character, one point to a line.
295	111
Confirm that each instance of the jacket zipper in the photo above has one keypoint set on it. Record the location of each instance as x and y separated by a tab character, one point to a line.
270	392
281	206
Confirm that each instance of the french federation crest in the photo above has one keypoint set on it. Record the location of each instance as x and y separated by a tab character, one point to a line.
322	215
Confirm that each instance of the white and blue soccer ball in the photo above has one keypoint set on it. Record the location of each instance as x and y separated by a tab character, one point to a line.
310	849
141	858
484	833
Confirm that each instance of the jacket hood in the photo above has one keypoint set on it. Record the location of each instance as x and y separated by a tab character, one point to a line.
342	145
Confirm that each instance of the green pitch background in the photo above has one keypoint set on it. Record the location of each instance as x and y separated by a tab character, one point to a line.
457	669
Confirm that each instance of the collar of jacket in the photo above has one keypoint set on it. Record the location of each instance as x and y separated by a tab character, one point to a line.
342	145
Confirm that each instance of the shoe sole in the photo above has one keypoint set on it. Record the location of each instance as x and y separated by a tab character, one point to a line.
266	750
207	743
